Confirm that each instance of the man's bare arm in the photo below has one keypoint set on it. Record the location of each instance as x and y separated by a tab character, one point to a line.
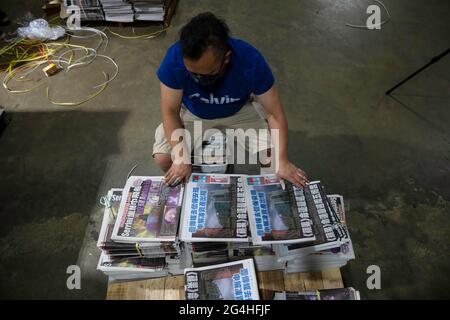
170	109
276	118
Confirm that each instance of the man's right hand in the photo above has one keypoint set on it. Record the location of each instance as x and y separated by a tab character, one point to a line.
178	173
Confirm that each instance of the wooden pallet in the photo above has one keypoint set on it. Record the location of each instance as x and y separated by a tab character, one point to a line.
172	288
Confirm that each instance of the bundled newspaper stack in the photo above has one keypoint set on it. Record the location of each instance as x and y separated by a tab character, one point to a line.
332	246
118	10
138	237
214	224
89	9
149	10
302	225
153	230
278	213
214	215
214	209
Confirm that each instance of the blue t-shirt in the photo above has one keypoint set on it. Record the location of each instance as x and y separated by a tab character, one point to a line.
247	72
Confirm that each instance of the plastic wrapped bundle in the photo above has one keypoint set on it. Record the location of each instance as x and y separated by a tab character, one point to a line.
40	30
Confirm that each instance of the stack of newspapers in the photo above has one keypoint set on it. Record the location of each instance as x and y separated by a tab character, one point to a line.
138	237
90	10
152	230
214	223
332	248
118	10
214	217
305	227
149	10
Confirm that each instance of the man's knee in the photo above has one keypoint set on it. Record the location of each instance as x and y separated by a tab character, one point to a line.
163	160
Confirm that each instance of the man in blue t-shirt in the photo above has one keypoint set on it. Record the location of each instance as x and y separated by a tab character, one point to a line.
210	77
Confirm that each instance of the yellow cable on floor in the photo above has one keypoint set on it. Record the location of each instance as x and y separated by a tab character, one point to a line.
33	54
80	102
14	72
146	36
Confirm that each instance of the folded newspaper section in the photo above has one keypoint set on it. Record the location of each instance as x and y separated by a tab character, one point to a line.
214	210
149	211
229	281
323	294
134	224
277	215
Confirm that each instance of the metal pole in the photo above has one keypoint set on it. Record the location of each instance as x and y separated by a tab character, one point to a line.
434	60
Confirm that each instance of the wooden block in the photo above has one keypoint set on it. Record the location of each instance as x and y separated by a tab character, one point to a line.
116	291
174	288
312	280
294	282
152	289
266	294
332	279
271	280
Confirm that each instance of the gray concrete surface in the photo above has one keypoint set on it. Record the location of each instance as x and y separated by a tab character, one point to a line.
389	157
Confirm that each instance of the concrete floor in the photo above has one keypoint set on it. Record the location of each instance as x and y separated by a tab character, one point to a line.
389	157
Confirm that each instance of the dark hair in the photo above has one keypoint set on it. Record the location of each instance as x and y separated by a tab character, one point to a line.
202	31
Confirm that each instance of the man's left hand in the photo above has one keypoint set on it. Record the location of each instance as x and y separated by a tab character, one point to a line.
288	171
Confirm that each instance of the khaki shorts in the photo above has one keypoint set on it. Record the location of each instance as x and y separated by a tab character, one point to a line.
251	116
